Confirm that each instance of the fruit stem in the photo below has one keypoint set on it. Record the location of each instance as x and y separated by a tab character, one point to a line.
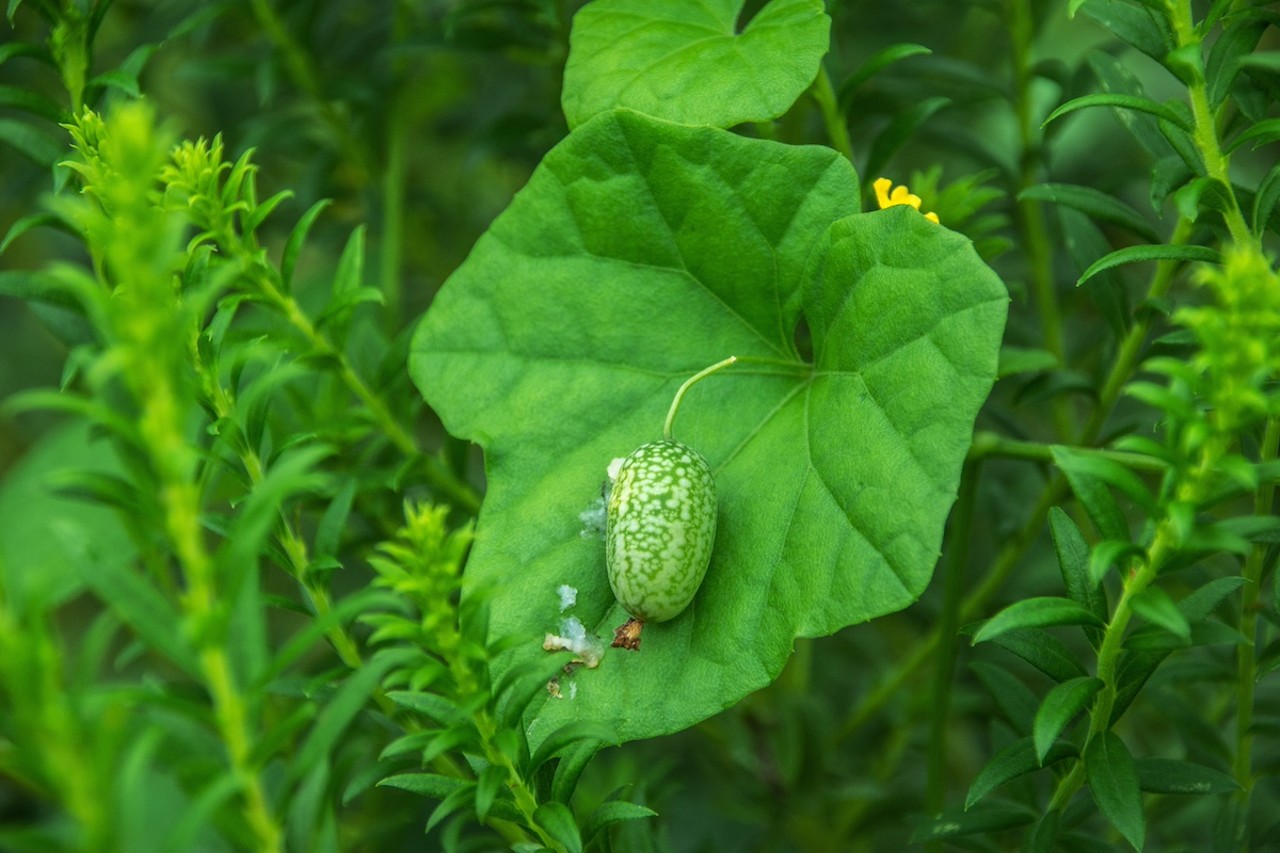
675	403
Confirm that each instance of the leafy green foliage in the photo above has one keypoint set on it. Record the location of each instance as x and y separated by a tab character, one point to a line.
605	262
255	595
694	63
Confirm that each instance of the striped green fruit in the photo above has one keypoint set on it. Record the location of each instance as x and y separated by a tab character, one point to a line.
660	525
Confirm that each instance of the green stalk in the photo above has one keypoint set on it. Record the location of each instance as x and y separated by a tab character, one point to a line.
837	129
1247	652
1035	236
1205	131
949	634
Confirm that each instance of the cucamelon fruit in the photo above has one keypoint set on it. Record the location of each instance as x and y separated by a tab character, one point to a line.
660	526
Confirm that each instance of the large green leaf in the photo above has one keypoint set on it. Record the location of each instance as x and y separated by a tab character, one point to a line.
640	252
688	62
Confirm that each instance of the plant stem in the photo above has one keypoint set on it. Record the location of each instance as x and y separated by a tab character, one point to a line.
689	383
948	630
1247	652
1031	221
837	130
1205	131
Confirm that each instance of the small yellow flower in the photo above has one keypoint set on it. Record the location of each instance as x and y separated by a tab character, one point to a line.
900	195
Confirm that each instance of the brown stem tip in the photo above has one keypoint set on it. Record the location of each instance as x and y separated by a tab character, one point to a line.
627	635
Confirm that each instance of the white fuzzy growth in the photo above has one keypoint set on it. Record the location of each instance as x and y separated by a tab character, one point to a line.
568	596
593	520
573	637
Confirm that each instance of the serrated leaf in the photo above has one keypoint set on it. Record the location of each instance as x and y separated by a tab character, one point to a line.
1169	776
1016	759
1095	203
1060	705
639	253
1113	781
1134	254
1039	612
687	62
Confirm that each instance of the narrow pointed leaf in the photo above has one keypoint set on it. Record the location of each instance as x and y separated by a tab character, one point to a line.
1060	706
1126	102
1038	612
1113	781
1095	203
1016	759
1169	776
1134	254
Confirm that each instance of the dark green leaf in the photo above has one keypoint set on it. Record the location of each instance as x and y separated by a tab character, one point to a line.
1134	254
1207	633
1138	26
1111	552
611	812
426	784
491	782
36	145
462	798
901	128
298	237
569	770
578	731
1197	605
653	250
1092	492
982	818
1223	64
1262	133
1016	759
1136	666
1126	102
1016	701
1167	776
1086	243
1038	612
1095	203
1043	651
1113	781
1073	563
688	62
1060	706
556	819
434	707
877	62
1266	200
1155	605
343	707
1015	360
